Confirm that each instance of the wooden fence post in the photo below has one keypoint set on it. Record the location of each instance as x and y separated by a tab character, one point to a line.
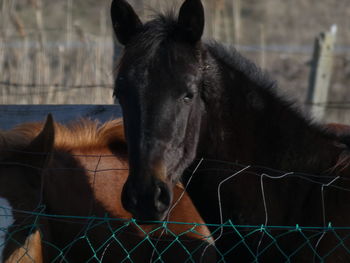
262	47
218	20
237	21
321	71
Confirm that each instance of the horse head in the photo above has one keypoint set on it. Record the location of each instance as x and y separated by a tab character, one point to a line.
21	170
159	87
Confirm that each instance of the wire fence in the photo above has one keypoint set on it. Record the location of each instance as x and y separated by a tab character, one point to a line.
56	75
127	241
316	235
154	249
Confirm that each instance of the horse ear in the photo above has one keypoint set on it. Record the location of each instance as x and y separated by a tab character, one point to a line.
125	21
38	153
191	20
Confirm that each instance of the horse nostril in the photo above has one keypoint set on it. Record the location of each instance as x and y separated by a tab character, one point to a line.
129	199
162	197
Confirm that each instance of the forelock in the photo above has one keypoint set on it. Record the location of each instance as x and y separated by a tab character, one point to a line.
160	30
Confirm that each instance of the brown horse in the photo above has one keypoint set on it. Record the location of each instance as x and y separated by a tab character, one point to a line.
185	100
82	188
22	160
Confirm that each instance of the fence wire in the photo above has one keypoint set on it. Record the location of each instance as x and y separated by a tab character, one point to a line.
127	239
158	251
102	238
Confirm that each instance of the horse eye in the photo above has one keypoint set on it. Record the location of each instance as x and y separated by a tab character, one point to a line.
188	98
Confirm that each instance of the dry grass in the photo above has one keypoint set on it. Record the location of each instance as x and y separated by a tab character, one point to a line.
76	68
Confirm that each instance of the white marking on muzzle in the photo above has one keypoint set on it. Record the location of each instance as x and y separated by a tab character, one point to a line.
6	220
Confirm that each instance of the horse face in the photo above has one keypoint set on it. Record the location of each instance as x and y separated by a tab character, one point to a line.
22	168
27	162
159	89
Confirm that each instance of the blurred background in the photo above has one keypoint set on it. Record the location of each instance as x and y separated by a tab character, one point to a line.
62	51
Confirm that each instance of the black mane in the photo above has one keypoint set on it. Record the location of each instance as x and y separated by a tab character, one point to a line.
263	84
229	56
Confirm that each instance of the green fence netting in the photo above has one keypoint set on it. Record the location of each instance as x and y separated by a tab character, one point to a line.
318	203
93	239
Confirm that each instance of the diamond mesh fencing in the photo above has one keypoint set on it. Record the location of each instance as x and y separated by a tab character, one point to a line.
131	241
243	196
123	240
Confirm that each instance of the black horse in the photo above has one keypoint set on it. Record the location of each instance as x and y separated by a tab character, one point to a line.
185	100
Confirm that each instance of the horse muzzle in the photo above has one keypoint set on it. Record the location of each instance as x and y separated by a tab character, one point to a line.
149	202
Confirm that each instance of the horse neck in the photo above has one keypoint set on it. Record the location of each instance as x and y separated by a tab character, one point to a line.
250	124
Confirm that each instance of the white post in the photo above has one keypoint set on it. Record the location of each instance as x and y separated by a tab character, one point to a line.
237	21
321	71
